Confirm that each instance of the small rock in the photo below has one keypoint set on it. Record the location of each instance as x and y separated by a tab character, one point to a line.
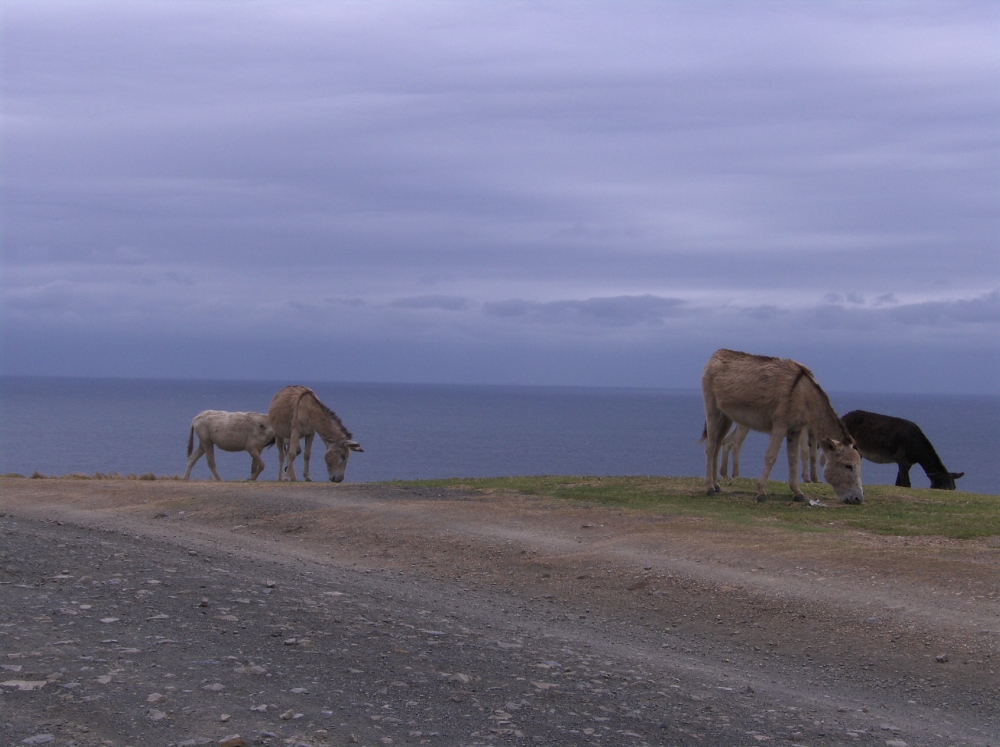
291	641
300	691
107	620
270	584
39	739
156	714
224	717
104	679
156	698
233	740
204	602
24	685
941	658
214	687
895	743
543	685
287	715
259	708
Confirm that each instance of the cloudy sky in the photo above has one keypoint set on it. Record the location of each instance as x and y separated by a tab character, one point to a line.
502	192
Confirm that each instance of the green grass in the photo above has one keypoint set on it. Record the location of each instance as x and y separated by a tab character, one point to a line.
886	510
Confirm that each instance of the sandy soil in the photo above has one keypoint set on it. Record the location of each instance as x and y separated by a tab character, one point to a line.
173	613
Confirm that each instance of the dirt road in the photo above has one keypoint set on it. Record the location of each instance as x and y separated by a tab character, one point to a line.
170	613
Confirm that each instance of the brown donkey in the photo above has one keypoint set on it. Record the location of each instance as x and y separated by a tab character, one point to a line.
779	397
296	412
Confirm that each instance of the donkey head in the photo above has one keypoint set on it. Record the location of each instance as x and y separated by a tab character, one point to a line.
336	456
944	480
842	469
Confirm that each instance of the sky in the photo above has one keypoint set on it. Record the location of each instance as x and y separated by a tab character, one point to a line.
554	193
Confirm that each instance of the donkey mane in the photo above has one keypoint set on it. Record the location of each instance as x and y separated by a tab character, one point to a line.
333	416
805	373
754	355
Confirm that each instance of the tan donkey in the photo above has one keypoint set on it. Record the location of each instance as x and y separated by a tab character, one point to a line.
296	412
779	397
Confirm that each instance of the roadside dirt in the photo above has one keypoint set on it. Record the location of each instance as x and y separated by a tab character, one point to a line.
171	613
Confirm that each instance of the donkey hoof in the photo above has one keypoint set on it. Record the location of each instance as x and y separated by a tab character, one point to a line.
710	491
799	498
761	498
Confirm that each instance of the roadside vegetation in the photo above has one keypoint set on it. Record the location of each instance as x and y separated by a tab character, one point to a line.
887	509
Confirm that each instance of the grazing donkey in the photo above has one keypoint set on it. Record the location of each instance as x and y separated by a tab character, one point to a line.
296	412
884	439
230	431
734	443
779	397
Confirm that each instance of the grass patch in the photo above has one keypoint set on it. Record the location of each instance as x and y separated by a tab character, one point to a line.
886	510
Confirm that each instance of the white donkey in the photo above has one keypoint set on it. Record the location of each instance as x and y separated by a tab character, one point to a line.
230	431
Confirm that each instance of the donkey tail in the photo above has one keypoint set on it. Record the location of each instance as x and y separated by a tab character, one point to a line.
704	434
191	441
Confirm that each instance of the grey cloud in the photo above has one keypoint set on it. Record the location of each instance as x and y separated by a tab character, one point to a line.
336	155
444	303
982	310
977	315
615	311
763	312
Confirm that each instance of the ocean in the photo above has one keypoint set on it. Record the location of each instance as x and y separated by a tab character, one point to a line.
58	426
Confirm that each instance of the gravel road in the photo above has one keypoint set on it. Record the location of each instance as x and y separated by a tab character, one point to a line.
178	614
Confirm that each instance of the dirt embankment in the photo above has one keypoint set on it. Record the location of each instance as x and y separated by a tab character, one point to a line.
359	614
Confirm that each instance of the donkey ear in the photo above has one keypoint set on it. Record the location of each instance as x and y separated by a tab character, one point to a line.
828	444
354	446
956	475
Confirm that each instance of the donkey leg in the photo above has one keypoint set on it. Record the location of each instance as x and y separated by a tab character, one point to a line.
793	466
279	443
256	464
741	435
903	478
724	459
293	451
811	441
210	458
306	453
194	458
804	455
770	457
716	426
